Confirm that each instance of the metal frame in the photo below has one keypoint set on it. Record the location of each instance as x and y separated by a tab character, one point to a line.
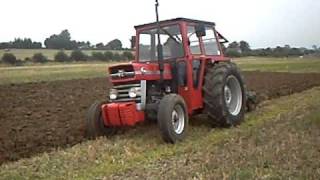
143	95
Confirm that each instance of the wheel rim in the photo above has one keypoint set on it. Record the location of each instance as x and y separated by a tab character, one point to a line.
233	95
178	119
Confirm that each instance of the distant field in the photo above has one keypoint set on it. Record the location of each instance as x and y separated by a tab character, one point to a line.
56	71
51	72
294	65
49	53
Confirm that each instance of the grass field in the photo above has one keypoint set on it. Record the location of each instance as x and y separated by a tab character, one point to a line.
51	73
278	141
295	65
56	71
49	53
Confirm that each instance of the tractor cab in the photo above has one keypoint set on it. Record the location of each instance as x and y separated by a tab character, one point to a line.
179	70
179	38
186	45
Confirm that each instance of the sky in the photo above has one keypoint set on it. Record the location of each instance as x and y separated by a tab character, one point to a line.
262	23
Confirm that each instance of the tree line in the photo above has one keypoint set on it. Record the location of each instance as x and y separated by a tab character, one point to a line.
19	43
61	41
62	56
242	48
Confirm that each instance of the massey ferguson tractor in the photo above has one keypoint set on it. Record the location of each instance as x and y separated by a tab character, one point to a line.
179	71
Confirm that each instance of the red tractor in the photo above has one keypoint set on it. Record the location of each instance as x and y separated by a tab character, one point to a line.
179	70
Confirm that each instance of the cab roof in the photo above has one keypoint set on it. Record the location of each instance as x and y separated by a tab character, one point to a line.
176	20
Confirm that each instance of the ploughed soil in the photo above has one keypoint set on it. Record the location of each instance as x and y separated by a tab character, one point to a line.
39	117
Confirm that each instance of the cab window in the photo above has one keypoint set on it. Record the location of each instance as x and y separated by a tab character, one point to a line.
210	42
193	40
171	40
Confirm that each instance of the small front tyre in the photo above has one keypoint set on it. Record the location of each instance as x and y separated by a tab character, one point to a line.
94	122
172	118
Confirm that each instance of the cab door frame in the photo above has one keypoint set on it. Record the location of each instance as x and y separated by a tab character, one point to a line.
192	93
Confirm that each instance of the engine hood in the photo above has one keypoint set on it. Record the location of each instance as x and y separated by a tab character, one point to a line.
138	71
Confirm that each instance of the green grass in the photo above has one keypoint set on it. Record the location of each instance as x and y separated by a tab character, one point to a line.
49	53
293	65
275	142
51	72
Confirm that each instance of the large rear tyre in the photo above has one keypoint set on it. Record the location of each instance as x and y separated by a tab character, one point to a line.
172	118
94	122
224	95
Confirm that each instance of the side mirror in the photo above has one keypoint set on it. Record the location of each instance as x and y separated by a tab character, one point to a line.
133	42
200	30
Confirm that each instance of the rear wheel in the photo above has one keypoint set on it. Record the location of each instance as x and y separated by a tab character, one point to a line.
172	118
224	94
94	123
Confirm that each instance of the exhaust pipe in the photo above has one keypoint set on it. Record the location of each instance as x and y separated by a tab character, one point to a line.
159	47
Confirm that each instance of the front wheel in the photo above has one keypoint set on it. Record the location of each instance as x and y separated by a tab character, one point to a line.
94	123
172	118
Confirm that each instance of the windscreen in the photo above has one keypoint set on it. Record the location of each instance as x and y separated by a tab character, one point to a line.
171	41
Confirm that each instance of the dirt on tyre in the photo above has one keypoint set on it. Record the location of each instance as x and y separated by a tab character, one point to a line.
224	95
172	118
95	126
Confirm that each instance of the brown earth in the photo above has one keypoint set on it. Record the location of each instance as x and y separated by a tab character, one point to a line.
39	117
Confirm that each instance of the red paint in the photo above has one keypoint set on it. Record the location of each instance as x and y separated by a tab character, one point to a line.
192	95
121	114
152	72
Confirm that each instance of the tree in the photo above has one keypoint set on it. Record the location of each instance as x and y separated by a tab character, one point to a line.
100	46
295	52
39	58
20	43
5	45
83	45
36	45
9	58
245	47
233	53
98	56
286	50
78	55
128	55
223	47
108	55
315	47
117	57
233	50
65	35
278	52
60	41
115	44
234	45
61	56
267	52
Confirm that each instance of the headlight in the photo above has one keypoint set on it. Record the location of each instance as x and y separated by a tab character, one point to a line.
113	94
133	92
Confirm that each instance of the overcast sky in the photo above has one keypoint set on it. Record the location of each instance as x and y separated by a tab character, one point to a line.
260	22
